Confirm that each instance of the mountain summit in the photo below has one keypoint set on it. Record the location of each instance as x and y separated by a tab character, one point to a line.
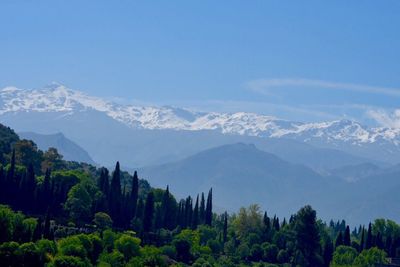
58	98
70	111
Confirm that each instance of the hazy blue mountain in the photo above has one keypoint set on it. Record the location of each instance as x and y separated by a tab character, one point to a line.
241	174
70	150
353	173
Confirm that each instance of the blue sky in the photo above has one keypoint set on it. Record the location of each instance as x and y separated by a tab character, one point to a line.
301	60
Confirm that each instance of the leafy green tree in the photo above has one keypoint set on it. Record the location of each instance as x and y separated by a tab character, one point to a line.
28	255
308	237
371	258
46	249
8	256
68	261
27	152
79	203
102	220
52	160
128	245
248	221
344	257
7	139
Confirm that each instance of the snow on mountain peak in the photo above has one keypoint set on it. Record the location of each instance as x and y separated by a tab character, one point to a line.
56	97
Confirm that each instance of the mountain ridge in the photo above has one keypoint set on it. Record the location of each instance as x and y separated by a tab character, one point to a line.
58	98
83	118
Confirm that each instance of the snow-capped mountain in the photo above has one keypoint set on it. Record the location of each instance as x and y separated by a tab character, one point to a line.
60	99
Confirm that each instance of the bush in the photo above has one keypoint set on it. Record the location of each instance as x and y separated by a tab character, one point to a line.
129	246
114	259
68	261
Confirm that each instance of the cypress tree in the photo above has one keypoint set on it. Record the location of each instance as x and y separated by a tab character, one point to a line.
347	239
148	213
116	195
368	243
339	240
158	218
134	194
3	184
46	230
188	212
362	241
140	209
208	212
196	213
284	222
166	210
202	211
328	251
11	170
225	229
267	221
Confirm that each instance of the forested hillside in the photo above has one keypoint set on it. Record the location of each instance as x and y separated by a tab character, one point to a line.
61	213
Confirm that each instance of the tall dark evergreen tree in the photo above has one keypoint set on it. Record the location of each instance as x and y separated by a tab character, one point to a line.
346	238
166	215
202	210
362	240
328	252
103	182
369	241
134	194
339	240
27	189
225	229
148	213
208	212
195	220
188	212
116	196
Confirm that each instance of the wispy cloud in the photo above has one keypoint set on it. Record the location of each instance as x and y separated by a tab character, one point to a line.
267	86
385	118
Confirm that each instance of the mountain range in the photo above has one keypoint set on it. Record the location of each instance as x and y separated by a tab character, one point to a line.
55	108
345	169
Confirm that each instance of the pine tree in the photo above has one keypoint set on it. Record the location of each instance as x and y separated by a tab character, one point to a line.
148	213
208	212
346	238
196	214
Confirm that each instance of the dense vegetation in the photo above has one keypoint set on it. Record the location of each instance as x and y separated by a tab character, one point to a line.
60	213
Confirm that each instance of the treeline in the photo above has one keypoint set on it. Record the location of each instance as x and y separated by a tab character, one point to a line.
43	184
80	215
